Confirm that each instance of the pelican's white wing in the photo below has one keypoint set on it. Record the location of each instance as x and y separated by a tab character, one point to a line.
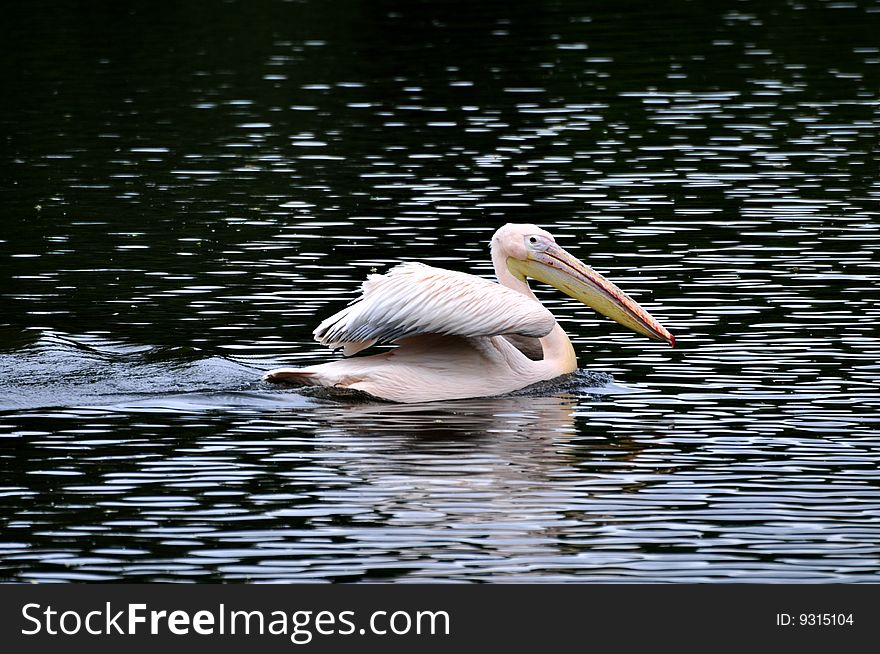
412	299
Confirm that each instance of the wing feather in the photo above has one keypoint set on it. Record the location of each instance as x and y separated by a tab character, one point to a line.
413	299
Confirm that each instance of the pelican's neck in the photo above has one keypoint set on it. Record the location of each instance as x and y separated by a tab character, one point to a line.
558	351
507	278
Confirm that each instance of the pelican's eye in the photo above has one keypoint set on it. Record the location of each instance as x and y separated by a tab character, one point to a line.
534	242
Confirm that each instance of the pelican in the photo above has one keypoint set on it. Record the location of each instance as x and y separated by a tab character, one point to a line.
462	336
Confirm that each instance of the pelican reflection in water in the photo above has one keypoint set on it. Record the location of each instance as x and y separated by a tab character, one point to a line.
462	336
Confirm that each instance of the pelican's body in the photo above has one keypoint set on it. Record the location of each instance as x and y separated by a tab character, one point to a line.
462	336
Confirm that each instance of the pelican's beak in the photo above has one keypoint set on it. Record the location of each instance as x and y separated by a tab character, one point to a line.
558	268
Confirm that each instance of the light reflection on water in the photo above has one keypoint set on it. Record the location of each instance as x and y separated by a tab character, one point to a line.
194	226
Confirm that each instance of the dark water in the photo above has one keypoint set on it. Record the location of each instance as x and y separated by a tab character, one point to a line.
187	190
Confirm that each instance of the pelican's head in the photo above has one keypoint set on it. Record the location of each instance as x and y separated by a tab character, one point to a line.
529	251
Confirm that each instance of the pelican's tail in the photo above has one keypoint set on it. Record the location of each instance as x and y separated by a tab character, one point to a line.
293	376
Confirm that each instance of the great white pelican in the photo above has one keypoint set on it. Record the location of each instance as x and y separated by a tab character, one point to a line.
461	336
